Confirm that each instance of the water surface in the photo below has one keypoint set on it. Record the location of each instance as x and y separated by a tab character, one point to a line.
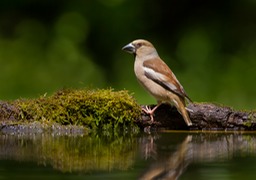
166	155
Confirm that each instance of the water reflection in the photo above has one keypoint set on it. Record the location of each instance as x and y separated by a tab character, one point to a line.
157	156
171	165
201	147
70	153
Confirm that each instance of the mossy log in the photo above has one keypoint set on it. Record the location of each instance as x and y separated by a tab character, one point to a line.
108	109
101	109
204	116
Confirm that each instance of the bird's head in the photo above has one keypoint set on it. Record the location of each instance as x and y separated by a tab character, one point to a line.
140	47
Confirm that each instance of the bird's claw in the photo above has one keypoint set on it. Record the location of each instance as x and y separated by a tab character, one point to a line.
149	111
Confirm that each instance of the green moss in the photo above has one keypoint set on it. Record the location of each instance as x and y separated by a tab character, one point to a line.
96	109
247	124
251	119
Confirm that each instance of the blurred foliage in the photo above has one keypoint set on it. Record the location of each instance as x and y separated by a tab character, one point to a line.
47	45
102	110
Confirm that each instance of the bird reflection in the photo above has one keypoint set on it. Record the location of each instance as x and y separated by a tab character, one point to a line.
149	147
170	167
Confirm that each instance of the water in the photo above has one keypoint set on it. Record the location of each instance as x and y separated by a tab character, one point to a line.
166	155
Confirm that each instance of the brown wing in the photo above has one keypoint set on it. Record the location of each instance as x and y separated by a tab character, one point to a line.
160	73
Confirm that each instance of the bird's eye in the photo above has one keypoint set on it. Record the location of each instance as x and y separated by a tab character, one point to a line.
139	45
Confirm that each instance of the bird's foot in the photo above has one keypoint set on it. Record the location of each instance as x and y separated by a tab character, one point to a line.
149	111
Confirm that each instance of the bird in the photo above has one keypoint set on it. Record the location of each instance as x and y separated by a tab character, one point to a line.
157	78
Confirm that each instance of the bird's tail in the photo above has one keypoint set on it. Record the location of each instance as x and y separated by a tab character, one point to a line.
185	116
180	105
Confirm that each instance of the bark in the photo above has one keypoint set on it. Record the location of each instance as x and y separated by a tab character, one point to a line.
204	116
8	112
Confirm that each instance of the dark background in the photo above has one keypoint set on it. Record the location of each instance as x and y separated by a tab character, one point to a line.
47	45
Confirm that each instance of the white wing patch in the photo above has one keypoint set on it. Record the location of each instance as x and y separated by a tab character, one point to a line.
159	78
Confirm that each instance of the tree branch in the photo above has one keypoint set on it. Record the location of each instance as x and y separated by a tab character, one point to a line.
204	116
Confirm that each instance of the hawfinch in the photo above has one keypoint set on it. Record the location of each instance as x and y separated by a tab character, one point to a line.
157	78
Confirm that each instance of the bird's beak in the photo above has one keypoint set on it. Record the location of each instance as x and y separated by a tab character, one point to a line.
130	48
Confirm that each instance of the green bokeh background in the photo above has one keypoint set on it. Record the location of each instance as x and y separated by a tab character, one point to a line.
47	45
